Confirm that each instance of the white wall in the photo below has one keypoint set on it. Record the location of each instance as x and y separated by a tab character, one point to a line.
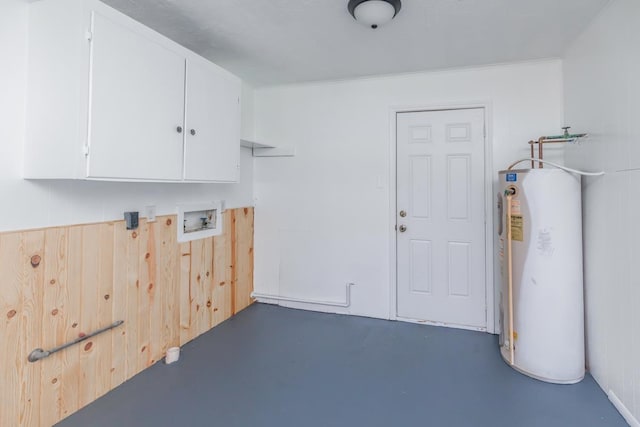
30	204
322	217
602	89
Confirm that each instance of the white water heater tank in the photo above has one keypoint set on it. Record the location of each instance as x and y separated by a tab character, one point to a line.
547	310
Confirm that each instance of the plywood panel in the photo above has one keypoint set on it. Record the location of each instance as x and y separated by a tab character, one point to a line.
54	318
197	288
60	283
233	237
10	312
70	376
132	265
88	310
146	275
168	256
201	263
31	253
243	258
222	273
154	296
104	309
185	292
124	278
207	284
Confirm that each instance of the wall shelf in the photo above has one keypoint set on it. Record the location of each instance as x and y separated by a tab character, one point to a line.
253	144
274	152
264	150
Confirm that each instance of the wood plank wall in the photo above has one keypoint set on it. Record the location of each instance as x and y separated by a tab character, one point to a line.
57	284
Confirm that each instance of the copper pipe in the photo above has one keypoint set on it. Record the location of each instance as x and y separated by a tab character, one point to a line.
550	141
540	165
510	278
532	154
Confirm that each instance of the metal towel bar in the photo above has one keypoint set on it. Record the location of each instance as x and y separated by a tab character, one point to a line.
39	353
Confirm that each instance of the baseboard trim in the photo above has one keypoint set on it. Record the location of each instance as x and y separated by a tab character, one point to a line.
626	414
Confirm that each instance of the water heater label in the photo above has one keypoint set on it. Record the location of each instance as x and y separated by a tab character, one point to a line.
517	228
512	177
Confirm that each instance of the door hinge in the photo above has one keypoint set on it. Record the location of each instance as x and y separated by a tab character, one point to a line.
85	150
88	35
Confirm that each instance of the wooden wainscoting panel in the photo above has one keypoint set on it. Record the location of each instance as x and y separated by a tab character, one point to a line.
168	258
207	286
222	273
124	277
31	253
185	292
146	275
243	258
10	329
154	294
104	308
91	258
198	291
54	319
60	283
72	291
128	263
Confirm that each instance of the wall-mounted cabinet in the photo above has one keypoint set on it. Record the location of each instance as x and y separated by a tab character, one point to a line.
212	114
110	99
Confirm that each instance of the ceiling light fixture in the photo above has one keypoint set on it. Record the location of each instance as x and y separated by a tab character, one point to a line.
374	13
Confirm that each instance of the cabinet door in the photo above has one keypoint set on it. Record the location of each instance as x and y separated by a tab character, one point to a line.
212	147
136	105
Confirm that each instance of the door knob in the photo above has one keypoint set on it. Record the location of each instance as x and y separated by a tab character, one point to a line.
179	129
403	228
403	214
192	132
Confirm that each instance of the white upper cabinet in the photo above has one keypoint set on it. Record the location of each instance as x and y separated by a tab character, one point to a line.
137	106
110	99
212	124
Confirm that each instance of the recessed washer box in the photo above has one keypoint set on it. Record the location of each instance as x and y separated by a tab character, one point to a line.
199	221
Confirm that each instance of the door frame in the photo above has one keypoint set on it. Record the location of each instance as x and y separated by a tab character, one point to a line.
490	287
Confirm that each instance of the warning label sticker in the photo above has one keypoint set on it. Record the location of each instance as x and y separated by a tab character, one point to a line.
517	228
515	206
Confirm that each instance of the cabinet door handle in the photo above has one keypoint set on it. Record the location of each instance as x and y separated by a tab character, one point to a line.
192	132
179	129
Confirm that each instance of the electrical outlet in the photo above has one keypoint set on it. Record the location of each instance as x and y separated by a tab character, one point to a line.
131	220
150	213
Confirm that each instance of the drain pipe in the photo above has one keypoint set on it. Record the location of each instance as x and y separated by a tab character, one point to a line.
346	303
510	192
564	168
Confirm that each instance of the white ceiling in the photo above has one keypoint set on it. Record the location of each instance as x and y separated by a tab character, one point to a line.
283	41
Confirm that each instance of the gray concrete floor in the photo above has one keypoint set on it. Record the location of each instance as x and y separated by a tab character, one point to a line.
271	366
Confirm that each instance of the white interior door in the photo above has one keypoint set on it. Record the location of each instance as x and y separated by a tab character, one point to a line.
440	217
137	105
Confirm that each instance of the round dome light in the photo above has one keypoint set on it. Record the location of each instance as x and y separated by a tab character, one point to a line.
374	13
